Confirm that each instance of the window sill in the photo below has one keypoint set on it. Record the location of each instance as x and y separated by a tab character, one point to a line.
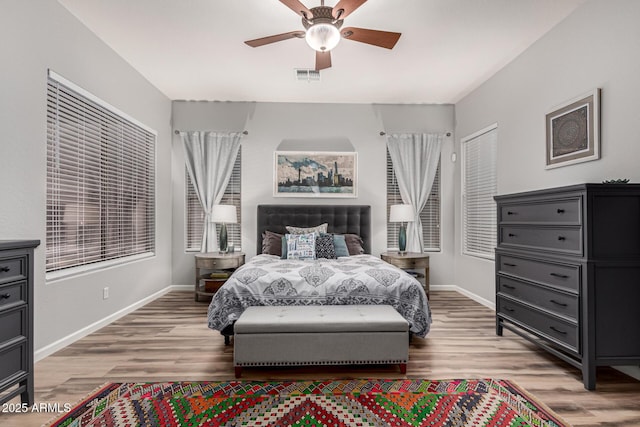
67	273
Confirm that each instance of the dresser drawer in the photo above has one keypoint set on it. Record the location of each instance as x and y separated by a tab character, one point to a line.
13	362
547	299
12	294
552	212
14	268
13	324
564	276
545	325
557	239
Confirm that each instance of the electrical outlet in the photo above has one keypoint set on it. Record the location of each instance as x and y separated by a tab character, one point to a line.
105	293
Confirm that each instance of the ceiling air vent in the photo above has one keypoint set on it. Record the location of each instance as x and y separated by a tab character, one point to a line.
305	75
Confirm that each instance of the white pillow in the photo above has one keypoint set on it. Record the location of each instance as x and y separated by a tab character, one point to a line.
322	228
301	246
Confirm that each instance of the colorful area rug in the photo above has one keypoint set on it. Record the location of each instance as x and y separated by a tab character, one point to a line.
312	403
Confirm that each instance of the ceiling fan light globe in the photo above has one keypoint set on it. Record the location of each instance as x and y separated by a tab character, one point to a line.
322	37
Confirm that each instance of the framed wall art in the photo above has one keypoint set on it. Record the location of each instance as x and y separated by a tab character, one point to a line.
315	174
573	131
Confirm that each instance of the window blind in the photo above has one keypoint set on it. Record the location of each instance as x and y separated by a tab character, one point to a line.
479	185
195	213
100	181
430	214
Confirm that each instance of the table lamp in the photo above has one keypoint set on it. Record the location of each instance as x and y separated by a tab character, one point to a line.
401	214
224	214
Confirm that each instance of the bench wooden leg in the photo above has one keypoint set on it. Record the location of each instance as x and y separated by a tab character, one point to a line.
403	368
238	370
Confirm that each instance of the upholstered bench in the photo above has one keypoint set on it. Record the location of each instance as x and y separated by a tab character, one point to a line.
320	335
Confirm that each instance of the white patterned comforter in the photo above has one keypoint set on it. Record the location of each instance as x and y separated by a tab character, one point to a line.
358	279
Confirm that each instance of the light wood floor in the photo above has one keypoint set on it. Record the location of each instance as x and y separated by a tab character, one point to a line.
168	340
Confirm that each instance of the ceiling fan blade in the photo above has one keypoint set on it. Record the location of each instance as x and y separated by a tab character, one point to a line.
298	8
347	6
374	37
323	60
275	38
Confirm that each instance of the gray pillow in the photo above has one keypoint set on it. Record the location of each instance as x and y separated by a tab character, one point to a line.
354	244
322	228
272	243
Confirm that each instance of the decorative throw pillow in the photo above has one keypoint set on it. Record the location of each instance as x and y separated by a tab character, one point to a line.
325	247
272	243
354	244
322	228
301	246
340	245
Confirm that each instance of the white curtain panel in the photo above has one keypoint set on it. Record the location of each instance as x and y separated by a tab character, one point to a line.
209	157
415	159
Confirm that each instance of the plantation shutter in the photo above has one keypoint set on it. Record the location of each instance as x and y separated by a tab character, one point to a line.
479	185
430	214
100	180
195	213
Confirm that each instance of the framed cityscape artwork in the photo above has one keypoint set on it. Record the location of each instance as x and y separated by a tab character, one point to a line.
573	131
315	174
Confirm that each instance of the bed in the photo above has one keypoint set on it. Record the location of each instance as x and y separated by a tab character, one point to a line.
348	280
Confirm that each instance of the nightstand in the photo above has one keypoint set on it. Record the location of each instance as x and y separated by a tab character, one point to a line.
410	261
213	269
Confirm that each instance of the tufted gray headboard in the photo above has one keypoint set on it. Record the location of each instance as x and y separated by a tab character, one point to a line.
342	219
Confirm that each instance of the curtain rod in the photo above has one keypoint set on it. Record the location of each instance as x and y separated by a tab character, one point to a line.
383	133
244	132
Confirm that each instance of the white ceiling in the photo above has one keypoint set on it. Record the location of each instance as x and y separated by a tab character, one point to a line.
194	50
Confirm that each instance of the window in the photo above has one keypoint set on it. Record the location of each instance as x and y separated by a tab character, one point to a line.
430	215
195	213
479	185
100	181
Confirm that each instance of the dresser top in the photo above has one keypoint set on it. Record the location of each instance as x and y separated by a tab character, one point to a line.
576	187
18	244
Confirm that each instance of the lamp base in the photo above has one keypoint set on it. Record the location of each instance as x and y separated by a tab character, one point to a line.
223	238
402	240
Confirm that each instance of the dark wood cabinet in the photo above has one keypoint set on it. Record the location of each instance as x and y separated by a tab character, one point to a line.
568	272
16	319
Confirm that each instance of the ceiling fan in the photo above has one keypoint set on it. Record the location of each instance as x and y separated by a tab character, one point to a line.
323	25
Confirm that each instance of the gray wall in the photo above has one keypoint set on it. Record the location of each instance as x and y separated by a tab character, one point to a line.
596	46
38	35
274	126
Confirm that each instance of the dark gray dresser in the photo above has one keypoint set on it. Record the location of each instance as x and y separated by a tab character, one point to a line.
16	319
568	272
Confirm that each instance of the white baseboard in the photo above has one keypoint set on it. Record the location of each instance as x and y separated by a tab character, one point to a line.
71	338
632	371
476	298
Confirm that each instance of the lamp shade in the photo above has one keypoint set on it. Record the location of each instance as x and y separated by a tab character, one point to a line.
322	37
401	213
225	214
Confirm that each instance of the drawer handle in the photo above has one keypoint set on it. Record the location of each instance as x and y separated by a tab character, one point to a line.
560	331
508	286
509	309
4	269
5	296
561	276
562	238
561	304
510	213
511	235
508	264
560	211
